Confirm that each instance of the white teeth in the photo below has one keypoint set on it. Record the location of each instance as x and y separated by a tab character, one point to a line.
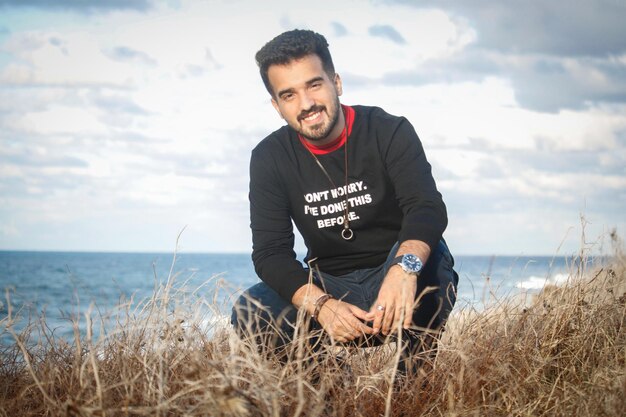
312	116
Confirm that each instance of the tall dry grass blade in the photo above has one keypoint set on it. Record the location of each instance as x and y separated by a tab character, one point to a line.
561	352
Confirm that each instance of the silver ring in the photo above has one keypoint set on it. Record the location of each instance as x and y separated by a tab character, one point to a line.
380	308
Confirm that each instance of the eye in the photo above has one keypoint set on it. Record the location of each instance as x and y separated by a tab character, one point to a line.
287	96
316	85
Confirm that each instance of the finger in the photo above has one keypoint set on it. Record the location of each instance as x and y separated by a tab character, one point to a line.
350	324
357	323
355	334
345	338
388	319
362	328
362	314
352	327
408	315
378	317
349	333
398	317
340	335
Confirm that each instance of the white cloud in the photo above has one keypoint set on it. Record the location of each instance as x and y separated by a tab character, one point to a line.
79	61
123	124
60	120
428	34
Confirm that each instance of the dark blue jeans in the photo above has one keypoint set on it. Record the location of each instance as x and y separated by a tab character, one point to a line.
263	315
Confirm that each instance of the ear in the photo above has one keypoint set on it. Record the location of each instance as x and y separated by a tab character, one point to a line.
338	84
275	104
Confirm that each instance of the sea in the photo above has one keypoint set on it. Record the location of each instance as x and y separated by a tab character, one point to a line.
62	285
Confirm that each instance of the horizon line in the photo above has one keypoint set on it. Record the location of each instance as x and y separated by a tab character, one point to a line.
249	253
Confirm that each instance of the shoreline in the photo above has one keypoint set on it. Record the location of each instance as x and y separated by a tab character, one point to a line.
560	352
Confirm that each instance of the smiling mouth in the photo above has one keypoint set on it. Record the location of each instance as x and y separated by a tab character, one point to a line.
312	114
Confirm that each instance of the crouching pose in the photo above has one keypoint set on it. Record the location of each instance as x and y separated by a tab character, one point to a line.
356	183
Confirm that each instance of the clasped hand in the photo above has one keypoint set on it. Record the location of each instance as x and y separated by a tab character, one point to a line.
345	322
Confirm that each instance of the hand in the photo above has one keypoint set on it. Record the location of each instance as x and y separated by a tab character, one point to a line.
342	321
397	296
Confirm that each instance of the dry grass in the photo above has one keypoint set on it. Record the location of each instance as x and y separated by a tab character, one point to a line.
563	354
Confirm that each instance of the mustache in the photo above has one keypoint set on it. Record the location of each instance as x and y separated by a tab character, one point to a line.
314	109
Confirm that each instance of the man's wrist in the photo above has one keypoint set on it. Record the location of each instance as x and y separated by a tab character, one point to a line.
305	296
319	303
410	263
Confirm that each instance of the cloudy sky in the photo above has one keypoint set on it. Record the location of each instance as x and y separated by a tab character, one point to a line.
123	122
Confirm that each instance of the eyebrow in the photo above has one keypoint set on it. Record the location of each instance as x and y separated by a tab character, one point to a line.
308	83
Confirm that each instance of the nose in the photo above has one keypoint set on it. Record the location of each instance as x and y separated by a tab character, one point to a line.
306	102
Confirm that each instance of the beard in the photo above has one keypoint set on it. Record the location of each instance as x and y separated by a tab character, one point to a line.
319	131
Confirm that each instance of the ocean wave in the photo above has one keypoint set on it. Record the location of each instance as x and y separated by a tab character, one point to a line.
537	283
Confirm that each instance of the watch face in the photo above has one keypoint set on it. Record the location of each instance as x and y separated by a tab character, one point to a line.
411	263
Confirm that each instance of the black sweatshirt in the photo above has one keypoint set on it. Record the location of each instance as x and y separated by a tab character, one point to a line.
392	197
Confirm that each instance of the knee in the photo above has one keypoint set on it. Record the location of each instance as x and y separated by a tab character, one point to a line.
439	270
259	310
261	316
249	316
436	288
448	279
239	313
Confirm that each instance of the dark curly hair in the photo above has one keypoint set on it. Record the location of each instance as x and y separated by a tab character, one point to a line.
291	45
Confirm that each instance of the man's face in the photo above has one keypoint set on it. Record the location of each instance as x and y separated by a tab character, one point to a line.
308	100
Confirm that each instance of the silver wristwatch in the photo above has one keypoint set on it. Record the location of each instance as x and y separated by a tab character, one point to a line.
409	263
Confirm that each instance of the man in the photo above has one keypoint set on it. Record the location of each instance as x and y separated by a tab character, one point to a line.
356	183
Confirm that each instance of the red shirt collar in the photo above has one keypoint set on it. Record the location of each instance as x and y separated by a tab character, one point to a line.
339	141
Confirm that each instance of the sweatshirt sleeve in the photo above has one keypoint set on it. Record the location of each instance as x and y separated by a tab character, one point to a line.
272	230
425	216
